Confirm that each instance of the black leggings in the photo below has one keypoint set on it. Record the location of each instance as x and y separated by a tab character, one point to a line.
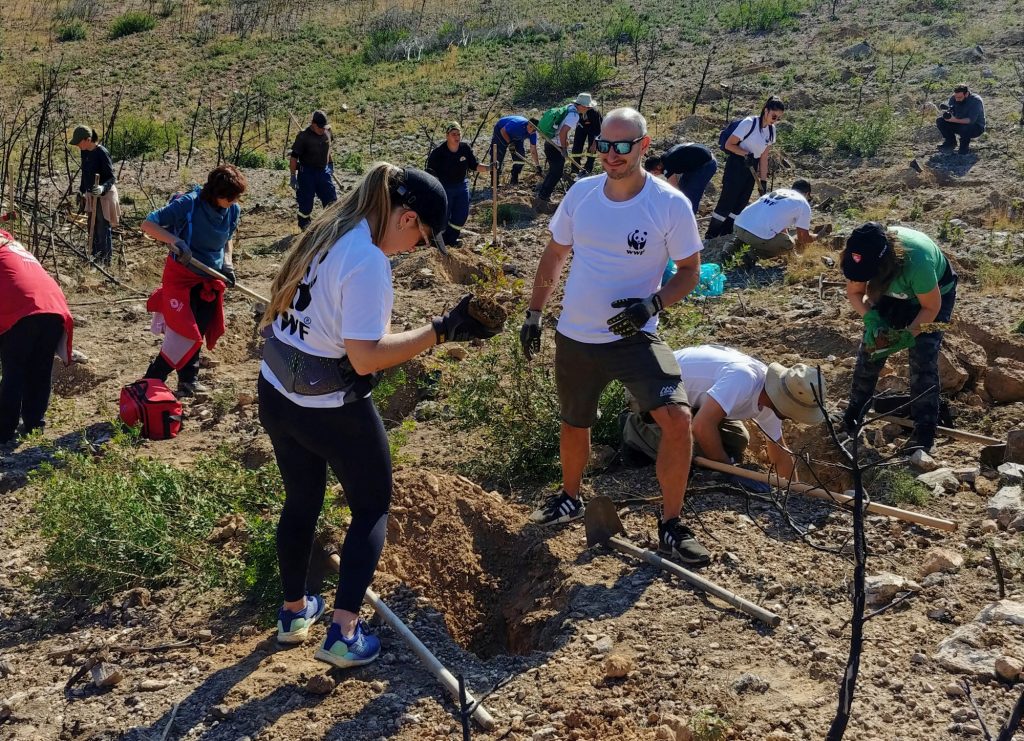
26	361
203	311
352	441
737	185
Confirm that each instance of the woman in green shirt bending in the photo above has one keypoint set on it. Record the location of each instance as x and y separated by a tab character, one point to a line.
899	281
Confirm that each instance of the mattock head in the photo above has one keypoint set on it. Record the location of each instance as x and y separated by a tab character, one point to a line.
601	520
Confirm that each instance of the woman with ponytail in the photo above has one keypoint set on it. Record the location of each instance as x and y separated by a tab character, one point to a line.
747	142
98	182
328	336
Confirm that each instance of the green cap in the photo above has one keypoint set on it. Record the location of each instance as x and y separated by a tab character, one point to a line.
452	126
80	134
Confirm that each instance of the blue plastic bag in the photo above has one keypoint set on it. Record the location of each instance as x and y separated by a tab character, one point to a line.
712	280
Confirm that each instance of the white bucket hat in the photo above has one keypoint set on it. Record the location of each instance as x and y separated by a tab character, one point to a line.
792	391
585	99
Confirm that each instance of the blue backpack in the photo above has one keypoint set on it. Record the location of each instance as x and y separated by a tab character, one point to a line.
730	129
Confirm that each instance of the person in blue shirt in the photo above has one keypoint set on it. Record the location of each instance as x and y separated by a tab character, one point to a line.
200	225
513	131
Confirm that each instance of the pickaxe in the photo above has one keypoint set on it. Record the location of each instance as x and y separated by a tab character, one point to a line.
604	526
823	284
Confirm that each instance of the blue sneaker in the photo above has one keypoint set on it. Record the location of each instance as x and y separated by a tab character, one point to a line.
361	648
293	627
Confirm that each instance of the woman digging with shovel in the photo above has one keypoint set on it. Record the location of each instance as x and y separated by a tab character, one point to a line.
328	333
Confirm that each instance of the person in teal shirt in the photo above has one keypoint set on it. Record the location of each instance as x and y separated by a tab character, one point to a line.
899	281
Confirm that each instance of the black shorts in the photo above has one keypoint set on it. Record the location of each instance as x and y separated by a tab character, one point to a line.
643	363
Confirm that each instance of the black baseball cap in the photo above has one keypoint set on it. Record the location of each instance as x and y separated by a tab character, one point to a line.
424	194
864	250
320	119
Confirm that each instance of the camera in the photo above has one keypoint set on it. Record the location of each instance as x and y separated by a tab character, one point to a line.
947	114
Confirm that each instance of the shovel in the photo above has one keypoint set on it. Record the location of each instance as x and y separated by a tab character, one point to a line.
603	526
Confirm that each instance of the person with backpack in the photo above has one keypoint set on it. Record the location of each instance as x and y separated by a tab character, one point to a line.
199	225
35	325
687	166
963	115
100	199
555	125
748	142
312	170
512	132
766	222
450	162
620	227
329	334
898	281
585	136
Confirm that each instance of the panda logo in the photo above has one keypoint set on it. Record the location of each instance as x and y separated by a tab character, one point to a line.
636	242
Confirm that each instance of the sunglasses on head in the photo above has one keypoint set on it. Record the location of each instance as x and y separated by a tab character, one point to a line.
620	147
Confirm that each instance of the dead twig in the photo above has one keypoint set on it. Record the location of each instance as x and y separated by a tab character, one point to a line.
998	569
977	711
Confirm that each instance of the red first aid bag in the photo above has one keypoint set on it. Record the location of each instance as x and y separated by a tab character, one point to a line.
150	404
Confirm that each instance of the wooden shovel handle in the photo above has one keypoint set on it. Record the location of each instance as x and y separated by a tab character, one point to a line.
819	493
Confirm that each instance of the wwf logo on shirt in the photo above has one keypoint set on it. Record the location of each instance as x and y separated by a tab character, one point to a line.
636	242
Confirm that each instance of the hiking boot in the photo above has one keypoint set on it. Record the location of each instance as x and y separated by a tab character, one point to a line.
676	540
293	627
342	652
948	145
965	148
191	388
923	439
558	508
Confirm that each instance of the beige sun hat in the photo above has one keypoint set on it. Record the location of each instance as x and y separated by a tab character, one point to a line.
585	99
792	391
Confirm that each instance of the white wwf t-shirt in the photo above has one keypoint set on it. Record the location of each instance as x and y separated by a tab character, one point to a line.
345	294
760	137
571	119
732	379
776	212
619	250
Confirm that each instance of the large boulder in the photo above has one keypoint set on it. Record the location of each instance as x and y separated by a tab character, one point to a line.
1004	381
1006	506
880	589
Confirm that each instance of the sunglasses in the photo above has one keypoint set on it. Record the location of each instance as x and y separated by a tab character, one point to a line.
621	147
773	116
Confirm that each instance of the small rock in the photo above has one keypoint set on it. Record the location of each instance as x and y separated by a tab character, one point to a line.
940	477
940	559
105	674
603	644
205	634
153	685
77	356
1016	526
955	690
617	665
456	352
1009	669
922	461
405	719
664	733
1006	506
545	733
882	588
220	712
1011	474
749	683
320	684
245	399
6	669
919	658
989	526
1004	380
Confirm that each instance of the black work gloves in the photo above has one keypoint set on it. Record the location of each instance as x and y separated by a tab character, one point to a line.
456	324
636	312
529	334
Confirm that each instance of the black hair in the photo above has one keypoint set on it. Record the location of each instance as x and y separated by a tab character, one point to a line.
803	186
773	103
653	162
962	89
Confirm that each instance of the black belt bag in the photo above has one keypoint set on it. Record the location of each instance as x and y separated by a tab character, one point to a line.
311	375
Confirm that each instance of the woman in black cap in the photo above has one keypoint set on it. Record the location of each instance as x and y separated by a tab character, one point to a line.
899	281
748	146
449	162
97	185
328	327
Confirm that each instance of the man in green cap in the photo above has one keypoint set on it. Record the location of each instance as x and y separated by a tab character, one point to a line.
450	162
98	182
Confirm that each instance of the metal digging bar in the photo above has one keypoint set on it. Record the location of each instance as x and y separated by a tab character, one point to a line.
604	526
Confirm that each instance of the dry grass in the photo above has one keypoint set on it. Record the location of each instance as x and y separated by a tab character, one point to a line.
805	267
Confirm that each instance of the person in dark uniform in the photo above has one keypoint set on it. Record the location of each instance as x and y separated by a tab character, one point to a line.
96	161
687	166
312	169
449	163
587	131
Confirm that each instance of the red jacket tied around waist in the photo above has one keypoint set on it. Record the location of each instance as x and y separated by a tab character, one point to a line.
171	300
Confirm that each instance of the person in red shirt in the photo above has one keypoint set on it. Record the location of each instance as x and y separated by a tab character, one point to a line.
34	319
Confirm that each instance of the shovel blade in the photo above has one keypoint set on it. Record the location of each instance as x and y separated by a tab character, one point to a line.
601	520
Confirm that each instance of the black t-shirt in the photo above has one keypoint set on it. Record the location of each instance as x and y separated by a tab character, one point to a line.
311	149
451	167
589	124
684	158
96	162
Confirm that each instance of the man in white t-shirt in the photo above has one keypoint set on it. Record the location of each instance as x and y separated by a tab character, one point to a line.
556	149
620	227
725	387
766	222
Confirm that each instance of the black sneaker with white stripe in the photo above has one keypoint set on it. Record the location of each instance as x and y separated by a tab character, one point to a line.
677	541
558	508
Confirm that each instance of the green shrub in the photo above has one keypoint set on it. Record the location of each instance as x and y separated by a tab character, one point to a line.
896	486
278	163
252	158
123	520
993	276
348	75
75	30
864	137
385	33
134	136
809	134
134	21
353	162
564	77
513	407
760	16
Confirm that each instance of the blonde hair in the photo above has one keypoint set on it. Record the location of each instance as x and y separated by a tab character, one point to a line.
370	200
